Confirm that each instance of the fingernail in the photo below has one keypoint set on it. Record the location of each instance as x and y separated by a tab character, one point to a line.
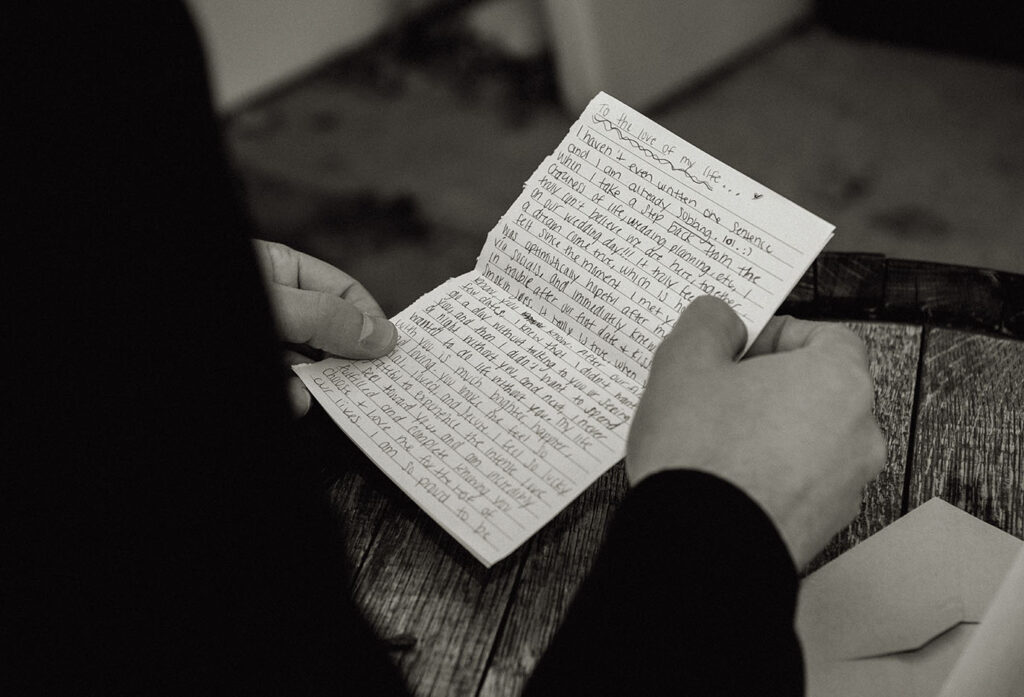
377	334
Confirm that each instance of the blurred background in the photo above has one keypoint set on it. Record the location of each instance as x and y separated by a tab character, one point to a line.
389	136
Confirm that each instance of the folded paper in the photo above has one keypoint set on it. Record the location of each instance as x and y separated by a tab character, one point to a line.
893	615
512	386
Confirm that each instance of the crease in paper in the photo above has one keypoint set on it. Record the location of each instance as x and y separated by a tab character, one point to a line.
512	386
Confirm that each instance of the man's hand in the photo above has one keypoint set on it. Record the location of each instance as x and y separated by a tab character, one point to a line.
790	424
320	307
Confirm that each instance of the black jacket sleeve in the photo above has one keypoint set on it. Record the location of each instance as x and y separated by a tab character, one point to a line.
693	593
164	532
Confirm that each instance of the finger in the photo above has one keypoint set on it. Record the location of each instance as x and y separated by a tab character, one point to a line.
298	397
837	340
787	333
296	358
283	265
782	333
324	321
876	453
361	298
708	331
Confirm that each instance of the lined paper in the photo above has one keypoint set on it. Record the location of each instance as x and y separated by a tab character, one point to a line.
512	386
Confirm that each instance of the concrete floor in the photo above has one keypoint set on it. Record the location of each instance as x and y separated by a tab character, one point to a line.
398	178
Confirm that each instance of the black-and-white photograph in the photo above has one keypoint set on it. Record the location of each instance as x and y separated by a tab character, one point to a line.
486	348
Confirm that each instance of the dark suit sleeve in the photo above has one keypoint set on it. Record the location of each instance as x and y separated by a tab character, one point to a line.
693	593
165	531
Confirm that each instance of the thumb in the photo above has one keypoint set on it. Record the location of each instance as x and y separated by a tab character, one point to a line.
707	332
330	323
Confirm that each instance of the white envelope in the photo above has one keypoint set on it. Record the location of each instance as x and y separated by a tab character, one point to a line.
892	615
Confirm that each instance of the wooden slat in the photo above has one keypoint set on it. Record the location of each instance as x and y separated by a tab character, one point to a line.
869	287
893	350
359	509
417	582
558	560
957	296
851	282
969	445
805	290
354	483
1013	307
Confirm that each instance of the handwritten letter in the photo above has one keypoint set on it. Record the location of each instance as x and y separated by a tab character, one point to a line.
491	419
625	224
512	386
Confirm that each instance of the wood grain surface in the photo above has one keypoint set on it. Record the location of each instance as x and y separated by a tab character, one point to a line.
969	445
847	282
419	585
559	558
354	486
871	287
359	509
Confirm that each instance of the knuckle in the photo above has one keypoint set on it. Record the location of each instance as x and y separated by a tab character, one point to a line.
859	350
278	253
852	340
841	335
781	322
877	448
853	509
671	349
840	331
850	384
862	390
850	381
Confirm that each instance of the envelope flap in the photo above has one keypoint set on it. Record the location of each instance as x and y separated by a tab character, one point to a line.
935	567
985	555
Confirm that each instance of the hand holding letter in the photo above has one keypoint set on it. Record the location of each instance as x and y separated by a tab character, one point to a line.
319	306
790	424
